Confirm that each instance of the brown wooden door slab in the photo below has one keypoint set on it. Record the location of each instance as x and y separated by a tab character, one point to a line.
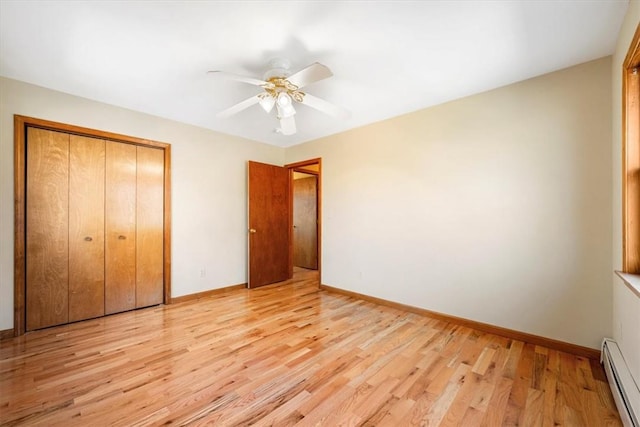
305	222
268	224
86	227
120	227
47	229
150	226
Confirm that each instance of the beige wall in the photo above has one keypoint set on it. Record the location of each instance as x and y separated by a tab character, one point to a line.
208	185
626	305
495	207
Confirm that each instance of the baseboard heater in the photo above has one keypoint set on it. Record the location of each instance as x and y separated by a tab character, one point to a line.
623	387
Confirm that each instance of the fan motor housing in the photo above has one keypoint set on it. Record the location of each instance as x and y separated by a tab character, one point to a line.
278	67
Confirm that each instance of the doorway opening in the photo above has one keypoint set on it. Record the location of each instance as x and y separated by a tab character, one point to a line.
270	247
305	214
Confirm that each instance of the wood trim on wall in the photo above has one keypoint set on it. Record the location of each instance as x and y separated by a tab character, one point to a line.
292	167
20	125
6	334
484	327
306	171
19	240
167	224
207	294
631	157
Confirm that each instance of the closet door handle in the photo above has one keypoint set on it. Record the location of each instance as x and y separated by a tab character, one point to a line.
121	237
88	238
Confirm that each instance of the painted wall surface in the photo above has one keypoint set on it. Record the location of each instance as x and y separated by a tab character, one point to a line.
209	220
494	207
626	305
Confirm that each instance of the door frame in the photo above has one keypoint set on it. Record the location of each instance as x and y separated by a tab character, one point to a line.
292	167
20	125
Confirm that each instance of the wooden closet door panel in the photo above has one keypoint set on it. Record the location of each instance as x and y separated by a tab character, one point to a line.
120	261
86	227
47	228
150	227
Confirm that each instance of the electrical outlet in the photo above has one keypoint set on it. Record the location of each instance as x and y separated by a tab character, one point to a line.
203	273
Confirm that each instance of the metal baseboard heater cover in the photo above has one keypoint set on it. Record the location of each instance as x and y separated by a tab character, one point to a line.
623	387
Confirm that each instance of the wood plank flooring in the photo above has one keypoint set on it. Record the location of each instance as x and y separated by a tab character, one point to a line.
288	354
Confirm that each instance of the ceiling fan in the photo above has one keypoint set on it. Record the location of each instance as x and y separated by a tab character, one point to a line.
282	90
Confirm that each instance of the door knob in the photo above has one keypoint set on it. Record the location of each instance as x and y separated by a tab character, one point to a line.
121	237
88	238
252	230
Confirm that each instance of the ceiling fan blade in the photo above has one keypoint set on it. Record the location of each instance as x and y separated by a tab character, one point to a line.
288	125
238	78
238	107
325	107
313	73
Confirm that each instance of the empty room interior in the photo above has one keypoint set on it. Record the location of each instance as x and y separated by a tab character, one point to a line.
365	213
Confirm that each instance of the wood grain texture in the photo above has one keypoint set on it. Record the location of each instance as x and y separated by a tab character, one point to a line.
289	354
313	166
167	225
149	226
86	227
96	133
305	223
589	353
631	157
632	175
207	294
19	224
47	229
21	126
269	200
120	227
6	334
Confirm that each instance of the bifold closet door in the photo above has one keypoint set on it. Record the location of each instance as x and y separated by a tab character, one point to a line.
94	227
47	229
120	228
86	227
150	227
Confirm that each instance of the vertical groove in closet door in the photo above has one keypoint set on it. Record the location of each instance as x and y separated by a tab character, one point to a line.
120	227
86	227
47	228
150	227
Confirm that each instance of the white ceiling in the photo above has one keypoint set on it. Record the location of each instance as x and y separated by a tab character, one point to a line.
388	58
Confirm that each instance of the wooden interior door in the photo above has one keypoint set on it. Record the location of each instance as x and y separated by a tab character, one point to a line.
268	224
305	222
86	227
149	226
47	229
120	227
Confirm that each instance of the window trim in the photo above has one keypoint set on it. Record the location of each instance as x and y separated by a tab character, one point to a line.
631	157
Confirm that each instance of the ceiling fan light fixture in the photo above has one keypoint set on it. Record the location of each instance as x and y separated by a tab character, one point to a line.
282	90
267	102
285	107
284	99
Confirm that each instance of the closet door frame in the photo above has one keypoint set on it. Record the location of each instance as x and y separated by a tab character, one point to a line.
21	123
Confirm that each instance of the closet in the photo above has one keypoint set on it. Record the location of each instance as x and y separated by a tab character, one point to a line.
94	226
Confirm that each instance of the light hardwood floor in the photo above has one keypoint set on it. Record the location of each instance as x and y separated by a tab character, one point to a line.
289	354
